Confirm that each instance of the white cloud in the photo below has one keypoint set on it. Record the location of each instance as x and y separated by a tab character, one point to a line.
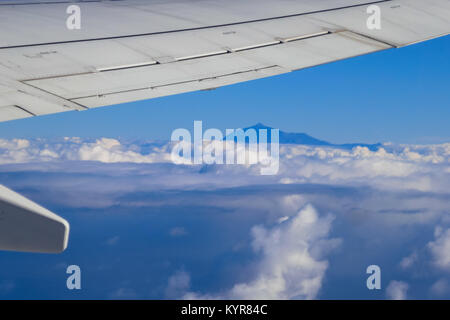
292	263
440	287
123	293
14	144
440	248
397	290
178	284
111	151
392	167
409	261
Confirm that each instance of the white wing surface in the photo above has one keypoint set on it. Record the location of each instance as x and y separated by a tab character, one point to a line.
26	226
133	50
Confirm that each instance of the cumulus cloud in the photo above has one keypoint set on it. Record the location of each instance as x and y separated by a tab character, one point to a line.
104	150
112	151
178	284
389	167
440	248
440	287
393	167
292	261
397	290
409	261
123	294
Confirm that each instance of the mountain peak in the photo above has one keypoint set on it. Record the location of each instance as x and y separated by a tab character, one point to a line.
260	125
305	139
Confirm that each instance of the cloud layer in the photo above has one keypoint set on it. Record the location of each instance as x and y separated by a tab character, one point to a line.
300	234
398	167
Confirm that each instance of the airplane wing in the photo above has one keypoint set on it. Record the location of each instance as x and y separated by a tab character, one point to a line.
127	50
26	226
131	50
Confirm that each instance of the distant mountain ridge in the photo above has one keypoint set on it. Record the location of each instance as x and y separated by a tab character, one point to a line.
305	139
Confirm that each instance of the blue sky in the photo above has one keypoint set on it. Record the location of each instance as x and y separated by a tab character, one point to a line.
396	95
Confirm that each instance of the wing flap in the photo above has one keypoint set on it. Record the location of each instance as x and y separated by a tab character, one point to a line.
129	84
101	83
403	22
12	112
315	50
176	88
